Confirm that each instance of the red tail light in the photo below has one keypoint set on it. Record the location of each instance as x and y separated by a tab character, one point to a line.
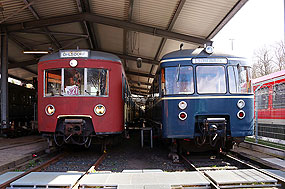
182	115
241	114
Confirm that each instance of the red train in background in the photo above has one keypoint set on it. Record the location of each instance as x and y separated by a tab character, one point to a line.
82	94
270	101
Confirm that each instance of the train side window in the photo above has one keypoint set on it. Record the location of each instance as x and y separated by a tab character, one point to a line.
52	82
262	98
97	82
279	96
73	81
240	79
211	79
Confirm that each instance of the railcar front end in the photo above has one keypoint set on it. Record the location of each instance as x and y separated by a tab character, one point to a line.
80	96
206	100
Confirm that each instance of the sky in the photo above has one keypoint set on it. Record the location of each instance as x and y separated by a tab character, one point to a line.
258	23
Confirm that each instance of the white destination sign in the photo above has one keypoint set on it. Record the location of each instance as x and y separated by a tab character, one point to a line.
74	54
209	60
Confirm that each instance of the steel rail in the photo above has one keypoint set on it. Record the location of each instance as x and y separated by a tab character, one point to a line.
90	170
189	163
38	168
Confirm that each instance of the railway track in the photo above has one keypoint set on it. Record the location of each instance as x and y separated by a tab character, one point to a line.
36	173
203	171
225	171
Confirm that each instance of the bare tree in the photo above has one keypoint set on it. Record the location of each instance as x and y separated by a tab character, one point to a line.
263	64
279	51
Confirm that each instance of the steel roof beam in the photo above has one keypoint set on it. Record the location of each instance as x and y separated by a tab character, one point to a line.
170	26
106	21
31	71
125	34
52	38
227	18
134	58
32	62
23	67
24	46
22	64
139	93
139	74
20	79
142	83
54	33
84	7
139	88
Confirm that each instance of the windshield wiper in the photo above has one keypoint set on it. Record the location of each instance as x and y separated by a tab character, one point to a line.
178	73
88	92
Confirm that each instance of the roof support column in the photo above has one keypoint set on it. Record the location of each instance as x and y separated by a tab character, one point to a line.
4	80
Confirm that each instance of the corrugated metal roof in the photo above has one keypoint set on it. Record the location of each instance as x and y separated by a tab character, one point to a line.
20	73
140	44
71	27
154	13
172	45
15	53
198	18
52	8
10	7
132	66
114	9
111	38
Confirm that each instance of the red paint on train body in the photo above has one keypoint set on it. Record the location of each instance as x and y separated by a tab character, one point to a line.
74	107
270	92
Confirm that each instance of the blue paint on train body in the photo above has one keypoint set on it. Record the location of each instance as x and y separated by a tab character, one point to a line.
203	107
173	127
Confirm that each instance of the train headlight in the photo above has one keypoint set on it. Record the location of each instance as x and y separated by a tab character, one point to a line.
99	109
240	104
182	105
241	114
182	115
209	49
50	109
73	63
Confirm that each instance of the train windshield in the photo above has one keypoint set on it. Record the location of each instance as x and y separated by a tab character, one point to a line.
240	79
179	80
76	82
73	81
211	79
52	82
97	82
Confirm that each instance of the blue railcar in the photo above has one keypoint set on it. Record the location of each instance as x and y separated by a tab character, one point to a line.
203	100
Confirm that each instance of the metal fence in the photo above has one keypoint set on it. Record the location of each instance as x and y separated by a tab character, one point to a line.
270	112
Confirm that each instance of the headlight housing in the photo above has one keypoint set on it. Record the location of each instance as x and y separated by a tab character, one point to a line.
240	104
99	110
50	109
182	105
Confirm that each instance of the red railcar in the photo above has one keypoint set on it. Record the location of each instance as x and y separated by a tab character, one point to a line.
81	94
270	104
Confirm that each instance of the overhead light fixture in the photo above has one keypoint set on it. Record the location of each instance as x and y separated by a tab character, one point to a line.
35	52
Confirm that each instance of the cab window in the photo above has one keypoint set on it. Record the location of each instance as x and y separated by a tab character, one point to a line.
211	79
178	80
